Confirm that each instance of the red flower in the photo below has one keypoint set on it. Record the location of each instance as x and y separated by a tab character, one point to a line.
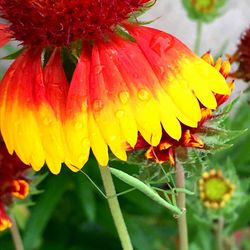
149	84
47	22
242	57
13	183
165	150
5	221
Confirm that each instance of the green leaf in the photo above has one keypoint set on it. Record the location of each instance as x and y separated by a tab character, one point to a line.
43	210
86	196
121	31
239	120
218	139
242	216
133	17
21	214
12	55
147	234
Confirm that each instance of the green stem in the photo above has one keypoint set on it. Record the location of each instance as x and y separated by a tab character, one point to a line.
198	37
219	225
16	237
115	208
181	203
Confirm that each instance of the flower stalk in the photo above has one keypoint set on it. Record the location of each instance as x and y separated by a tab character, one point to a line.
181	203
16	236
198	37
115	208
219	225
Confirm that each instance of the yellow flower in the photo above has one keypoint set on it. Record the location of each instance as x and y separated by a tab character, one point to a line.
215	189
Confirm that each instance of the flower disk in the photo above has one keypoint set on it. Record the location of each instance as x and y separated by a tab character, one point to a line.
58	23
215	189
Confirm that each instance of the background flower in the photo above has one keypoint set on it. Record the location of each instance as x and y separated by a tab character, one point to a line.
13	183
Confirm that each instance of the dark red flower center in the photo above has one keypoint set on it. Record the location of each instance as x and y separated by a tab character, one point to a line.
243	55
60	22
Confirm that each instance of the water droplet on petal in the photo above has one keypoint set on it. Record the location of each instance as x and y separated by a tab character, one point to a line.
113	138
162	71
84	106
17	124
119	114
98	69
143	95
78	125
124	97
98	105
85	143
161	43
47	121
93	134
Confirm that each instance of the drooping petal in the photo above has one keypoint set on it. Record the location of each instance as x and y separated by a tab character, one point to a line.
138	96
4	34
103	110
32	110
52	112
18	124
180	71
97	142
118	94
76	124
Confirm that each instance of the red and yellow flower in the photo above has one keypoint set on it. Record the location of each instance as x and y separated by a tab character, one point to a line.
152	84
165	151
14	184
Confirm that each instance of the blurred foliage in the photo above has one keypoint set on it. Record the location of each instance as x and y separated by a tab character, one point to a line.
204	10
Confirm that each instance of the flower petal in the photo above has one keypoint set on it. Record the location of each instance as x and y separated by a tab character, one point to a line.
102	107
5	221
97	142
19	127
139	95
4	34
76	124
117	93
55	89
180	71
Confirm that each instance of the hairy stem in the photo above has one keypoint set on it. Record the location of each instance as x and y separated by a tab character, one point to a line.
181	203
16	237
198	37
219	225
115	208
